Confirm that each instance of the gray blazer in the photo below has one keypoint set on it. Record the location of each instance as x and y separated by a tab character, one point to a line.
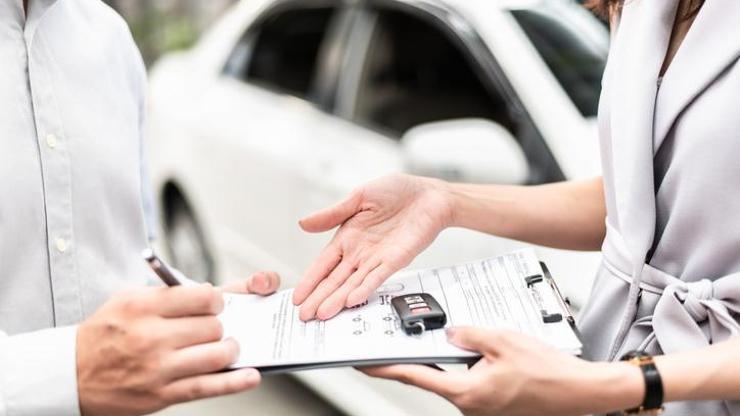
670	278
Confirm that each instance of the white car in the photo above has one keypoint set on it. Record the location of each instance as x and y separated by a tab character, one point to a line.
286	105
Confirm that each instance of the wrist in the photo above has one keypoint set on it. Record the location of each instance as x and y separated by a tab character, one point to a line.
448	206
484	208
613	386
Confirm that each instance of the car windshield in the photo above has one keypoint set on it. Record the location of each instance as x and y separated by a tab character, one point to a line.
573	45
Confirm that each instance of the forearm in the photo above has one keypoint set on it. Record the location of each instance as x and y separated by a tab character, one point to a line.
567	215
706	374
709	373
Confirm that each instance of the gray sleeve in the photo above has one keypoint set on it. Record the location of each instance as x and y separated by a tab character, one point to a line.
38	373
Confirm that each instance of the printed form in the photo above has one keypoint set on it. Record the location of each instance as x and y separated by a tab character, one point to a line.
488	293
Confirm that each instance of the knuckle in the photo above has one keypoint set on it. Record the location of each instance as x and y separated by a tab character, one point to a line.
113	328
141	342
404	379
208	300
154	367
215	301
232	385
162	399
196	390
132	305
499	338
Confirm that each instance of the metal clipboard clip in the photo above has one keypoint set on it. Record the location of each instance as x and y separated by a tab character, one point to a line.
565	311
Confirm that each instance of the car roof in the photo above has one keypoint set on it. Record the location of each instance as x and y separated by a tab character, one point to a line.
460	5
473	5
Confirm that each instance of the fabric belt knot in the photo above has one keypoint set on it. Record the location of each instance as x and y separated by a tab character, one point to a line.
687	314
693	295
683	306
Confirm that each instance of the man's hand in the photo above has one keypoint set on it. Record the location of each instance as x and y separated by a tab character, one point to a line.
260	283
519	376
148	348
384	225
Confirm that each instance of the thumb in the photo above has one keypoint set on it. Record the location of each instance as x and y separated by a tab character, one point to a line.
485	341
328	218
260	283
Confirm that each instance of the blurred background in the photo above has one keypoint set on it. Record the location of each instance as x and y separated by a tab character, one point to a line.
262	111
161	26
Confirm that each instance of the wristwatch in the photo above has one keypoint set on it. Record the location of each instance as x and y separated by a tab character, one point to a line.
652	404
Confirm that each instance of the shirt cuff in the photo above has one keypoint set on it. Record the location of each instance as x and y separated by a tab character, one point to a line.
38	373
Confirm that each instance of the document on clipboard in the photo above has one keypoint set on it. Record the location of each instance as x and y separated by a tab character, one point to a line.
513	291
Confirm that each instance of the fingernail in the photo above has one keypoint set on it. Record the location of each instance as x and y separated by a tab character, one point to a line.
251	375
450	332
233	345
351	301
260	280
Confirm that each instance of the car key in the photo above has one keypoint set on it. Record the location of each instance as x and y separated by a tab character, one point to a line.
419	312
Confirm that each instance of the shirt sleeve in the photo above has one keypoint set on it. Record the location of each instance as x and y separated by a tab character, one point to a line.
147	194
139	86
147	197
38	373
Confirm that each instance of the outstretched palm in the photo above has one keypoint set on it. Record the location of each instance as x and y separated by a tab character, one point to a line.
384	225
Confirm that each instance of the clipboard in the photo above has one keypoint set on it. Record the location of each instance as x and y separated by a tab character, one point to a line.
511	291
547	278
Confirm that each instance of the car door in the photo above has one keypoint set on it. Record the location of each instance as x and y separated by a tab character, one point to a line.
258	124
277	140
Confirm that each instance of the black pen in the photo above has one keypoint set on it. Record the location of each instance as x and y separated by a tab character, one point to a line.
169	275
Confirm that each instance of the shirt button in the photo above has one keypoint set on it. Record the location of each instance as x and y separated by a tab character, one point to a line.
51	141
61	245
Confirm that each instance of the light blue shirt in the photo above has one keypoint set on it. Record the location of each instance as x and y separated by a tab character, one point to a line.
72	102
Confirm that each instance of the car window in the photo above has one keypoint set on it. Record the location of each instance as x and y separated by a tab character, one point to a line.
577	65
415	73
284	50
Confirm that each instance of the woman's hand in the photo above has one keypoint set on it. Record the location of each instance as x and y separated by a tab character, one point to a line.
384	225
518	375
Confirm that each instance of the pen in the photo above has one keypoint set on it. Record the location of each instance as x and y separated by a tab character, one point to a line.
169	276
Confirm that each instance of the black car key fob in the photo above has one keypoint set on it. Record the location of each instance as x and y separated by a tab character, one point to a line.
419	312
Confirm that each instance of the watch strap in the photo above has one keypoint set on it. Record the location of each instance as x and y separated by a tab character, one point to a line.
653	400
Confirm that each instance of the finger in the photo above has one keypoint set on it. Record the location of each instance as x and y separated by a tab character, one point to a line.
485	341
200	359
183	332
338	300
325	289
327	261
444	383
331	217
211	385
260	283
180	301
368	286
